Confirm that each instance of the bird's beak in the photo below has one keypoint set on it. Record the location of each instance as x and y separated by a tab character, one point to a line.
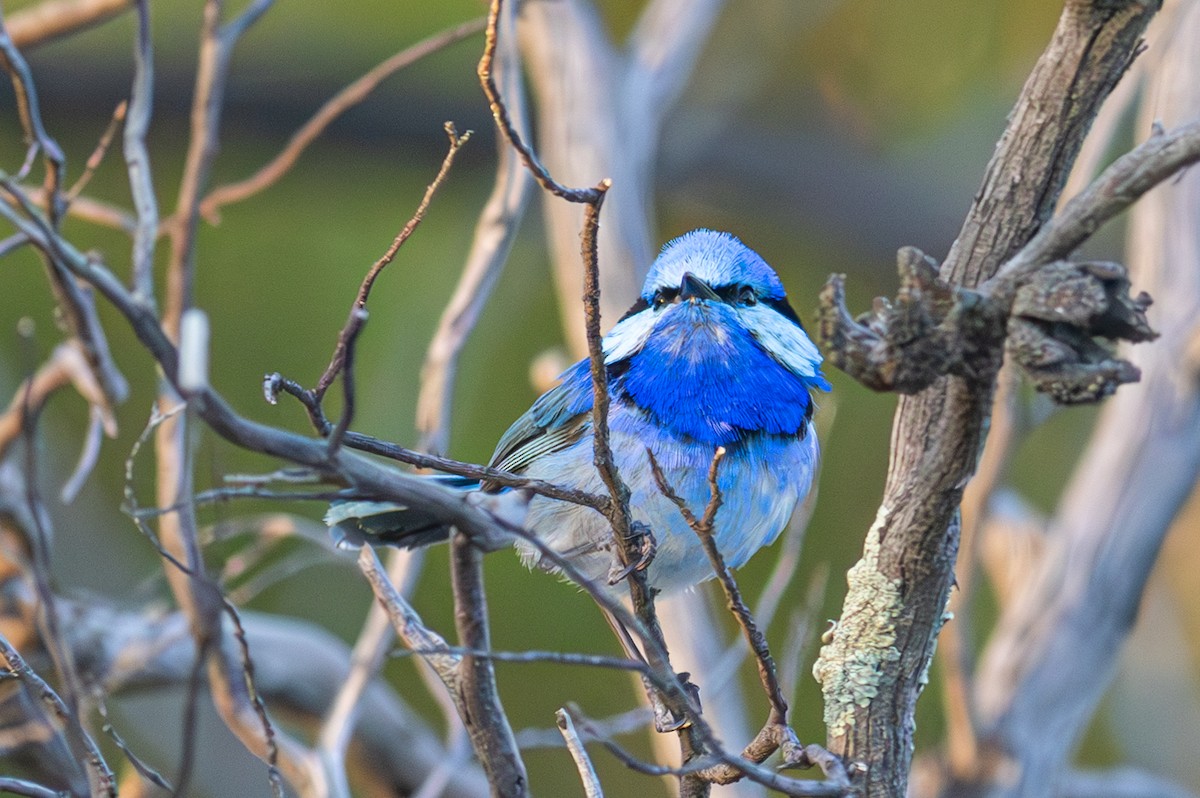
692	287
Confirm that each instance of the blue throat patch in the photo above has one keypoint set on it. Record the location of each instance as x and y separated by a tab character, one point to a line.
703	377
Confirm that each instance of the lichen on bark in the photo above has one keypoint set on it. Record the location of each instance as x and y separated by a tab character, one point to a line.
854	659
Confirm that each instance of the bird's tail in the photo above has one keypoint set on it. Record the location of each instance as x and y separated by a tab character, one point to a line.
353	523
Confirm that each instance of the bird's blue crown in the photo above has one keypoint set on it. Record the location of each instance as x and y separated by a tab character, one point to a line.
717	258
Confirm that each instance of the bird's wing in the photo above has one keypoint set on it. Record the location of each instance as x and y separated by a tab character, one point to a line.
556	420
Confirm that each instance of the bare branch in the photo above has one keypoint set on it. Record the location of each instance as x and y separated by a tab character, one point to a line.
875	664
1067	624
53	19
65	366
497	476
776	733
75	300
408	625
217	41
587	773
587	196
99	774
140	767
625	722
494	234
663	51
365	661
97	157
89	209
137	159
704	529
29	111
531	656
1118	187
28	788
354	324
88	456
337	105
837	785
481	709
76	304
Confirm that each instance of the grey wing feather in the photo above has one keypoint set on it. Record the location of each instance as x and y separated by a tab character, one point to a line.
548	426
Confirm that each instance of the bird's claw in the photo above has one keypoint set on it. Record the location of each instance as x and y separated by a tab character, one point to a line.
647	547
665	720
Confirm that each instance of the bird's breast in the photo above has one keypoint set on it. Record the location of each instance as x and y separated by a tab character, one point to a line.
707	379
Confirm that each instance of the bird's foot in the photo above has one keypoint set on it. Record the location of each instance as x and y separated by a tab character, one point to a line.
665	721
646	546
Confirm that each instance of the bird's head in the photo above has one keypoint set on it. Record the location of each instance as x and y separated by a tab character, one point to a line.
705	292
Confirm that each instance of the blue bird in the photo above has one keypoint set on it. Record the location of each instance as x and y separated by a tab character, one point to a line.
711	355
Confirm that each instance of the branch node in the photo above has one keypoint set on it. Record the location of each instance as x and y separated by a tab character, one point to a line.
931	329
1057	316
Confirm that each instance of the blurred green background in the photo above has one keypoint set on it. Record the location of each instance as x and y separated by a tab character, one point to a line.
825	134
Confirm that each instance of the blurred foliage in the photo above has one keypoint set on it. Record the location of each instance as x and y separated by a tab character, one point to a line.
912	95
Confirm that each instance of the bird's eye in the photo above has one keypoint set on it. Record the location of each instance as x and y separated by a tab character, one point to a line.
746	296
663	297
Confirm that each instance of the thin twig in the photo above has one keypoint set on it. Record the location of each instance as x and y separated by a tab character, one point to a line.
498	476
187	742
481	709
494	233
668	683
274	384
90	209
65	366
344	100
587	773
588	196
617	510
408	625
88	456
366	659
137	159
75	301
217	41
629	760
97	156
76	304
260	709
348	333
53	19
100	775
534	656
776	733
29	112
703	527
29	789
346	344
144	770
631	720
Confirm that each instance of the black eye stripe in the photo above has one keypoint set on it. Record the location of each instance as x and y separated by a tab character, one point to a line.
665	295
784	308
635	309
728	293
